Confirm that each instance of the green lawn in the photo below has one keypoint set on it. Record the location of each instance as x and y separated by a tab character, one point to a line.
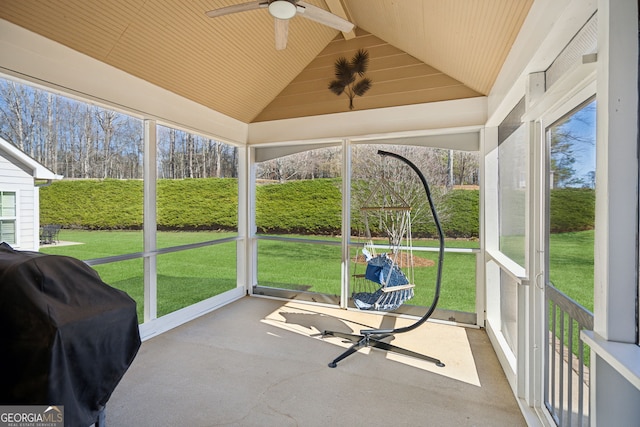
571	258
316	268
184	278
570	262
190	276
187	277
571	265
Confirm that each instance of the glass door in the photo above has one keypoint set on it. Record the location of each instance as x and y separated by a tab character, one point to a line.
569	288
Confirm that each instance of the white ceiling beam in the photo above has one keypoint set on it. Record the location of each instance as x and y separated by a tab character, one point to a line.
337	8
372	123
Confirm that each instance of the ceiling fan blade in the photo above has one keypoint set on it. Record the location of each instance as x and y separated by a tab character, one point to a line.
242	7
281	32
320	15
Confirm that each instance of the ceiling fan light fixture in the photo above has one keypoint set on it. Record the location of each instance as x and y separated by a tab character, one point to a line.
282	9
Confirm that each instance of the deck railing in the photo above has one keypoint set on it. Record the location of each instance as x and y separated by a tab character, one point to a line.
567	360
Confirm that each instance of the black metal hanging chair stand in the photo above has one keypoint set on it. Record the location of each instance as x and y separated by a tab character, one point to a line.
375	337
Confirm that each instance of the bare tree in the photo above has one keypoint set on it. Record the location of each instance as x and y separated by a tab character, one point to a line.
107	120
86	145
466	167
51	146
219	151
80	140
450	181
172	153
19	112
190	148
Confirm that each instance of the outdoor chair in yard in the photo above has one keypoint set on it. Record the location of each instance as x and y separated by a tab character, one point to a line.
49	234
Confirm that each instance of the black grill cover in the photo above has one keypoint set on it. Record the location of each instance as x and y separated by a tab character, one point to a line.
66	337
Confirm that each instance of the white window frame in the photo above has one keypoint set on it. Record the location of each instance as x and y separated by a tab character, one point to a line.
15	218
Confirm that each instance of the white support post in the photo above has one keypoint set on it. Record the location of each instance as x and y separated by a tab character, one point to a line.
481	291
537	243
531	359
616	172
150	225
247	260
346	222
616	230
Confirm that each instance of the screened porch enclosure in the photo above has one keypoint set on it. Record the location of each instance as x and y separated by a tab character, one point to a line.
311	268
557	304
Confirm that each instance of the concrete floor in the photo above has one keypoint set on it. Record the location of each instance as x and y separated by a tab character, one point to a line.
257	362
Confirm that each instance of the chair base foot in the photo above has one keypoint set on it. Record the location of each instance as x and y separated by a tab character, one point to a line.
372	339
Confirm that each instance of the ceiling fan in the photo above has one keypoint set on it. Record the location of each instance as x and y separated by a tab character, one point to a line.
282	11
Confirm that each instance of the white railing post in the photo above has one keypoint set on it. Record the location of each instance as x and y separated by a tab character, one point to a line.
150	220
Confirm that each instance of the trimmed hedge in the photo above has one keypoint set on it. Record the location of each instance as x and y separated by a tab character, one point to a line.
197	204
462	210
192	204
92	204
300	207
572	209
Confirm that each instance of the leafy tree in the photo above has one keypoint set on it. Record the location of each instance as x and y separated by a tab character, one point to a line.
563	160
566	142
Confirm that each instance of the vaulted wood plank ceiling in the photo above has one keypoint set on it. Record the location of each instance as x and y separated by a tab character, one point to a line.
420	50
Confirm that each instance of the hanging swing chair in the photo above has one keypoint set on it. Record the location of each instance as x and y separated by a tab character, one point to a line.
394	285
388	279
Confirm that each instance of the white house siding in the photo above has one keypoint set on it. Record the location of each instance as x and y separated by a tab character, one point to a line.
15	178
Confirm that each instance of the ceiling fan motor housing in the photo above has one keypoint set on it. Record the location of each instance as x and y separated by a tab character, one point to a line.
282	9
